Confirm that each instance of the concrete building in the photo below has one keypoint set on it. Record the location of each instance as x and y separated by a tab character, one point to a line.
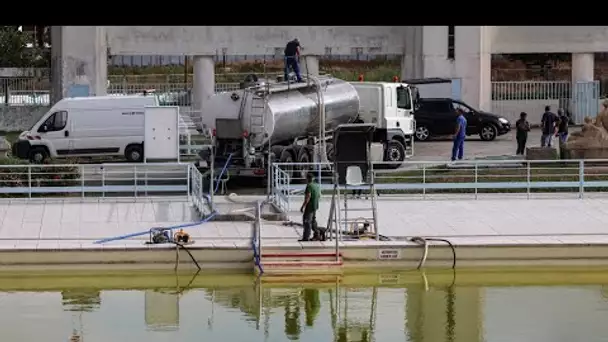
80	53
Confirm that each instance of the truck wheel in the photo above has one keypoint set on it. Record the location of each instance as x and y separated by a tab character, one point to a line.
276	153
395	154
303	158
329	149
38	155
287	158
134	153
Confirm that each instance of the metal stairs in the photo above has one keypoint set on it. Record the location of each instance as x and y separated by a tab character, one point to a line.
358	221
300	262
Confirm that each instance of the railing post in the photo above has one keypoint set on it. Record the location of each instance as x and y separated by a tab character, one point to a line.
81	171
476	175
146	181
103	181
581	178
211	177
288	186
201	189
258	223
528	179
135	180
188	181
423	181
29	180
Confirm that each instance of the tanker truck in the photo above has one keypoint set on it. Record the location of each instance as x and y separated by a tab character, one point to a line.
293	123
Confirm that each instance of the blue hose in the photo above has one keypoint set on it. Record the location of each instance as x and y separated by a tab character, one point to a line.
217	185
256	258
214	212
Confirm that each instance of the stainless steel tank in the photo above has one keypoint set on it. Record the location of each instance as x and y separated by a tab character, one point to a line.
295	113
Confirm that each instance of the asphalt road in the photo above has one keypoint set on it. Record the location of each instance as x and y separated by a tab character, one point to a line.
441	149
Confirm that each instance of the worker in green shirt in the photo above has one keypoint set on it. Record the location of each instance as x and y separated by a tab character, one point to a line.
309	208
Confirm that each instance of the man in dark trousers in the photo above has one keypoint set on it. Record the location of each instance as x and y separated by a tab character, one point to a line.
562	126
547	123
292	54
523	127
309	208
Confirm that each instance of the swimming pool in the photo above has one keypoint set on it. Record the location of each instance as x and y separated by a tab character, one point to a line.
477	305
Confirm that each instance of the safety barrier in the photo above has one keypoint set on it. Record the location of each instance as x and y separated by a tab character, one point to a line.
470	178
580	99
98	180
279	192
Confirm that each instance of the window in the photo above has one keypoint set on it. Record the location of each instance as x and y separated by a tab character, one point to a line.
460	106
404	100
451	42
55	122
434	107
464	107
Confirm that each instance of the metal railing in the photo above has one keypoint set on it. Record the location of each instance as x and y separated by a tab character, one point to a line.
196	191
510	98
99	180
471	178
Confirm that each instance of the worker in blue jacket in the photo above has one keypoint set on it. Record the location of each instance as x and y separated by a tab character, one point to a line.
292	55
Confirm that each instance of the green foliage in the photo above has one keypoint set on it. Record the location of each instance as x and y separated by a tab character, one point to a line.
37	176
16	54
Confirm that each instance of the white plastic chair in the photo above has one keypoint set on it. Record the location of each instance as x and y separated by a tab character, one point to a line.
354	176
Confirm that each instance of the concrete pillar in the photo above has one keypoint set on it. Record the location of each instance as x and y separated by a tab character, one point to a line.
412	61
582	67
472	64
309	65
79	62
203	83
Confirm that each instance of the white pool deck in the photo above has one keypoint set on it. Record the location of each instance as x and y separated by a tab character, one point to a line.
74	224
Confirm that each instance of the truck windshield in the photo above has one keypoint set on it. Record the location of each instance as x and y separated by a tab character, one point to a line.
404	100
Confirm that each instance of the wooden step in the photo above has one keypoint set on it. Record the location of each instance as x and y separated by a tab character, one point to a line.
299	255
299	264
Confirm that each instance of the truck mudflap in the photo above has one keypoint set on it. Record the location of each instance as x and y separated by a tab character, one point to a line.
21	149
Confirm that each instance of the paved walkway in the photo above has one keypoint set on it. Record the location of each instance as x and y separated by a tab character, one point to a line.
69	224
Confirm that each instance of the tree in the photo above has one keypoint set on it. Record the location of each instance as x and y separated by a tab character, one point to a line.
14	52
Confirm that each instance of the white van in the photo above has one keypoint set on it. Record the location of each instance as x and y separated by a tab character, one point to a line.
87	127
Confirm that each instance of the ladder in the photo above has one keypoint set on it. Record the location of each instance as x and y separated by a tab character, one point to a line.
358	219
258	107
256	114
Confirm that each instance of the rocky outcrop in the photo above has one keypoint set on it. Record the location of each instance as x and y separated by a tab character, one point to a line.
591	142
541	153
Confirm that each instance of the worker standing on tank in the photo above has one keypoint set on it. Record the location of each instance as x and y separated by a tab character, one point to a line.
292	54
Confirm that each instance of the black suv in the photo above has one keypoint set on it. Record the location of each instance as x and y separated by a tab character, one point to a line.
438	117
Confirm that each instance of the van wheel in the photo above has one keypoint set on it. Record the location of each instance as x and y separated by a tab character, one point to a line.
38	155
134	153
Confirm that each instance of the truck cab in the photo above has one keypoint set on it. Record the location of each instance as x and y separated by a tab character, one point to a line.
390	106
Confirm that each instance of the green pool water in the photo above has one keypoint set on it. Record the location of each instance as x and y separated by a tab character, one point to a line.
493	305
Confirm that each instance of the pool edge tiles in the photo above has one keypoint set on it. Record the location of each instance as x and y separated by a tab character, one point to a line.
356	255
